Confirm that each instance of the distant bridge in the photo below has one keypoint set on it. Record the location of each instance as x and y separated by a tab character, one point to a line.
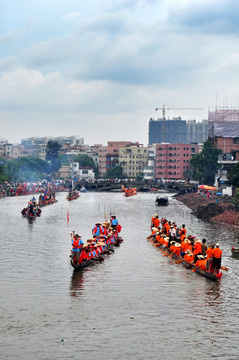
115	186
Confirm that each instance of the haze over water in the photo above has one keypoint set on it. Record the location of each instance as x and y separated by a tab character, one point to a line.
49	311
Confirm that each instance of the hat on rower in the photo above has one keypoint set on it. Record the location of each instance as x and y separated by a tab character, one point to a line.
155	215
187	241
217	245
173	242
200	257
177	244
197	240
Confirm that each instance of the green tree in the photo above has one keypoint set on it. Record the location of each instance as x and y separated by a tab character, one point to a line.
233	176
26	169
85	160
52	156
233	180
113	173
204	165
3	174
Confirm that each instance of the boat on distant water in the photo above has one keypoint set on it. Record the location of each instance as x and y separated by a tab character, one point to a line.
161	201
73	195
235	252
129	191
83	189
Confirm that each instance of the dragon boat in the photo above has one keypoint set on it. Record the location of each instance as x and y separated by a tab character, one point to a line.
94	251
180	260
72	195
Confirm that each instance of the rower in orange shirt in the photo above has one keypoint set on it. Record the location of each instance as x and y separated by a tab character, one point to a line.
201	262
186	244
217	258
197	249
209	253
152	220
182	233
156	221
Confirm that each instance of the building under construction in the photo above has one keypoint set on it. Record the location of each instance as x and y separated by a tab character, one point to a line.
177	131
223	131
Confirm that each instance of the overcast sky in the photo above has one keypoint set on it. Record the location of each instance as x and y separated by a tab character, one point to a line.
99	68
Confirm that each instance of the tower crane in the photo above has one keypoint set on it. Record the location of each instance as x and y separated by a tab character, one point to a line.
167	107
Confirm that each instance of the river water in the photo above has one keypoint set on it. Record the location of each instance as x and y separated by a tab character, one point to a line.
136	304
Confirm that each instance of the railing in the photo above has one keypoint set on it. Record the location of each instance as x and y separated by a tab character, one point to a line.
226	157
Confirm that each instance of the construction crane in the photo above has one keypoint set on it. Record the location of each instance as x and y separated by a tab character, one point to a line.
167	107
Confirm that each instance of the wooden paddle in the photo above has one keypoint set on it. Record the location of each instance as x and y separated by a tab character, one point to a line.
224	268
98	259
179	261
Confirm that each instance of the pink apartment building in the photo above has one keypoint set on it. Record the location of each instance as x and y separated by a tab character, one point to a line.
172	160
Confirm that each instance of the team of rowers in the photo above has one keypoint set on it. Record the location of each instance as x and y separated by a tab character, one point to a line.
47	198
103	235
191	249
32	210
129	191
73	194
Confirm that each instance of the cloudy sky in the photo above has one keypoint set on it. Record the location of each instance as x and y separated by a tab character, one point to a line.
99	68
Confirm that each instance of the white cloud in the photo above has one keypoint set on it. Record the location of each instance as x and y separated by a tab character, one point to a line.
85	65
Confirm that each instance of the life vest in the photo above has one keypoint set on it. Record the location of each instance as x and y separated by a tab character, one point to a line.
104	231
76	244
119	228
97	230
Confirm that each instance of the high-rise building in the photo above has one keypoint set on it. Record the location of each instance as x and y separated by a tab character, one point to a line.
172	160
197	131
170	131
177	131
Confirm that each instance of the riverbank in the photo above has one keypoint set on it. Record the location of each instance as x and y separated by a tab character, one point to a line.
216	209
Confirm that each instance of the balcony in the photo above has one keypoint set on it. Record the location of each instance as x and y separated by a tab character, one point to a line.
227	159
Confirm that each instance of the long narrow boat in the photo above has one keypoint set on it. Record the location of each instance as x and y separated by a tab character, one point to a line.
180	260
31	216
72	195
100	258
98	246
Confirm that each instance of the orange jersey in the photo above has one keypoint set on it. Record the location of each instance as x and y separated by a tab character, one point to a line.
156	222
217	253
209	253
197	248
182	234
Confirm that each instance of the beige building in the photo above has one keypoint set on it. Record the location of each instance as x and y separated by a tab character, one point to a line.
133	159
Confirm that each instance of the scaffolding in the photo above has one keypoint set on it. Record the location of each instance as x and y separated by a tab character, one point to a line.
223	123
